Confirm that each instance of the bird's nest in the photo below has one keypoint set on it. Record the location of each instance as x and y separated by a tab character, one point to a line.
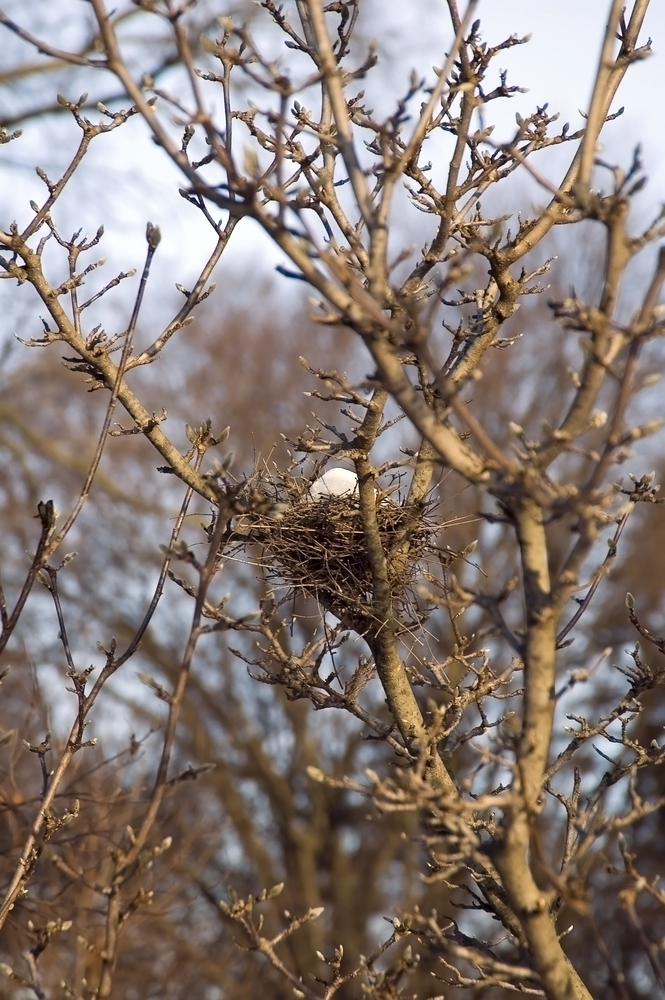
317	548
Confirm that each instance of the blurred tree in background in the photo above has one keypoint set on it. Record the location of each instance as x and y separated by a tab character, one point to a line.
223	772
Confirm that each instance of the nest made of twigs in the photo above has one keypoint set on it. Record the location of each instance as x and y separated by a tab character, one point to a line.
317	548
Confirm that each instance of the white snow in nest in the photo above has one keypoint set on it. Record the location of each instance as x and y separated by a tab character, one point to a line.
334	483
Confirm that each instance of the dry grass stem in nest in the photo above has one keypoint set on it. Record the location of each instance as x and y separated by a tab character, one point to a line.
317	548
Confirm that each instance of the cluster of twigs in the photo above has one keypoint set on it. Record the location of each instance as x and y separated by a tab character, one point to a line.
317	549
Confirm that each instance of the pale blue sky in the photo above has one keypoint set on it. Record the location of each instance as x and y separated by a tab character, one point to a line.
127	180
